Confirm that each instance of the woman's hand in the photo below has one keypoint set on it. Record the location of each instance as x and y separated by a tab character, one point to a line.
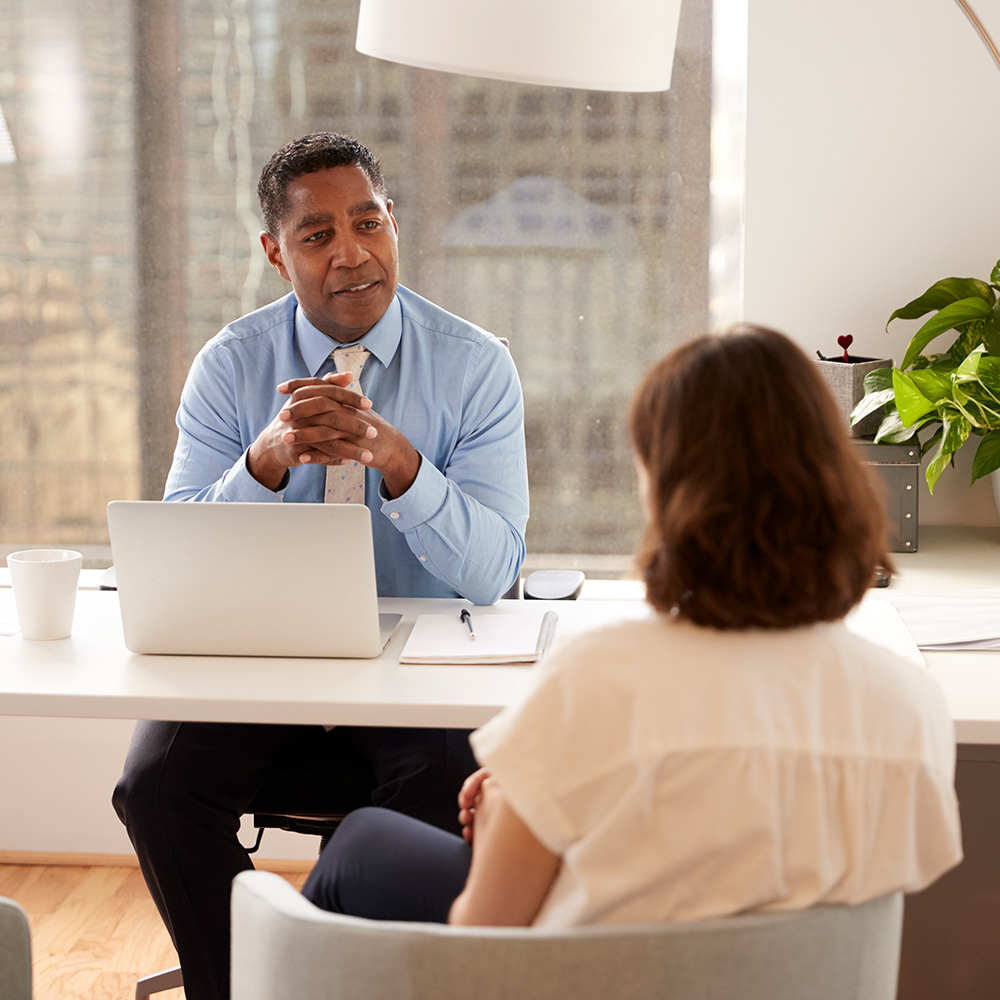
512	870
468	799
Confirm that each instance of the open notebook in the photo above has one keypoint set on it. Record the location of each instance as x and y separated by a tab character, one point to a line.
518	637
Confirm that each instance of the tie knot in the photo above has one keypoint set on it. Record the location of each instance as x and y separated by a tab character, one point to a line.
350	359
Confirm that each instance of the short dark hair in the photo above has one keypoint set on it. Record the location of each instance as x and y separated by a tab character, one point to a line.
760	512
306	155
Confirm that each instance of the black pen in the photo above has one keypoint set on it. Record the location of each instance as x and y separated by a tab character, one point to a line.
467	618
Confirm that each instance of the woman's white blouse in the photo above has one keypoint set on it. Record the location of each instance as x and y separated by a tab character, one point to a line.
684	772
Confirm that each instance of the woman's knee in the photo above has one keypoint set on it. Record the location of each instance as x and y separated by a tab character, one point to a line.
385	865
342	860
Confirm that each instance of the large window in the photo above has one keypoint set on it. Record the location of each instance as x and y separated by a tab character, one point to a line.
587	228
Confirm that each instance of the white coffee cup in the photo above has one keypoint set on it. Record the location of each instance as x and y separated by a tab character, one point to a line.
45	582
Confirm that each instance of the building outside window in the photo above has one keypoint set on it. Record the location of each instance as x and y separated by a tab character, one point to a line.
592	230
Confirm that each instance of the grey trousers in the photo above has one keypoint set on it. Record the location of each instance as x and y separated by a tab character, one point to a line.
387	866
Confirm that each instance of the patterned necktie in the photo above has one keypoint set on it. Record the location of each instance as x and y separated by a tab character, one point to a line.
346	483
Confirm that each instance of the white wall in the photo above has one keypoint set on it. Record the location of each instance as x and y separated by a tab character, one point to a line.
56	778
873	158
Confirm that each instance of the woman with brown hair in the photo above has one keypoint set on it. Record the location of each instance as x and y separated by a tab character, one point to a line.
739	750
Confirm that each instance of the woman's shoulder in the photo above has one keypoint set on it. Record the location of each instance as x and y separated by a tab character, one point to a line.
827	656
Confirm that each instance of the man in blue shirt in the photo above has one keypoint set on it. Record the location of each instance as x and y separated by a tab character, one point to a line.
437	424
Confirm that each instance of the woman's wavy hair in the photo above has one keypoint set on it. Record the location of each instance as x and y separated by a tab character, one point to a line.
760	514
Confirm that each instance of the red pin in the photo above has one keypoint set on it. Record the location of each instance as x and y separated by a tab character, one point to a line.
845	341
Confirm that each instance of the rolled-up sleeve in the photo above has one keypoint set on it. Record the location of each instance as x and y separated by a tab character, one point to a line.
210	458
465	522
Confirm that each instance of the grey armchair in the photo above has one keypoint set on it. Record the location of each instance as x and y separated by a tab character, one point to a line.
283	946
15	952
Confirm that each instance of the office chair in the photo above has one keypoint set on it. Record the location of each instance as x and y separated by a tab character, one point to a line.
15	952
312	796
283	946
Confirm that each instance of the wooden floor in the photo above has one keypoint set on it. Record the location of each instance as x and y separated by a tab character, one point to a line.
94	929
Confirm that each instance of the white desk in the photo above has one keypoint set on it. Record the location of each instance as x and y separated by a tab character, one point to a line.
93	675
953	559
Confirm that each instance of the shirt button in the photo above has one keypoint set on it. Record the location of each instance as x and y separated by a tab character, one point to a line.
394	515
423	558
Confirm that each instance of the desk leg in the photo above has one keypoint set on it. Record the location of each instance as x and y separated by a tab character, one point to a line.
951	930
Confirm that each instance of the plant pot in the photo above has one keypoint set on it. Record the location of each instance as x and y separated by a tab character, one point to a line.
846	381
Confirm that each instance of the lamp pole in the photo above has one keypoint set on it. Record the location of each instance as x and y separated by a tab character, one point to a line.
983	33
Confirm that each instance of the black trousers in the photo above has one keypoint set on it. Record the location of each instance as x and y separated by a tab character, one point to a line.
387	866
186	784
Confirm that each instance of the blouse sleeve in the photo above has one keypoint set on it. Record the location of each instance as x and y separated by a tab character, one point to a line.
558	755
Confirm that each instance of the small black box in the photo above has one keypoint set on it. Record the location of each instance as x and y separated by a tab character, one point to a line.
895	472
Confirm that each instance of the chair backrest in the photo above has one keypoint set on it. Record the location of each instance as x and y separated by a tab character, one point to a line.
15	952
284	946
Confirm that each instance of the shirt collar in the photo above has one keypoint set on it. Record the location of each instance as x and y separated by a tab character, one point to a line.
382	339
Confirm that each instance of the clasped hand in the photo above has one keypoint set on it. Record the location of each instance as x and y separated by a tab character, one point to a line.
322	423
325	423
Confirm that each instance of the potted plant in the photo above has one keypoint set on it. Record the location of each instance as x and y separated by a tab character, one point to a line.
845	378
954	394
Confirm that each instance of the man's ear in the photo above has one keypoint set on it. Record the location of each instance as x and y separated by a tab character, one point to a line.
272	250
388	207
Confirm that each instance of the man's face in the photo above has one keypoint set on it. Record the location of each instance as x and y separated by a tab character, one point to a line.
337	246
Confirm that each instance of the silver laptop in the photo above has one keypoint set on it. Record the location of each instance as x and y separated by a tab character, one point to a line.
247	579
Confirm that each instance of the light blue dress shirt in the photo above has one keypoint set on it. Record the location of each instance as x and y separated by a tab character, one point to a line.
449	386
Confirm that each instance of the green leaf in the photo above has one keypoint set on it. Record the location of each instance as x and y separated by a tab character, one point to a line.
911	403
995	276
931	442
991	330
959	396
943	293
969	337
933	384
956	433
948	318
979	394
871	402
987	458
983	408
968	370
936	465
989	368
878	380
989	379
892	431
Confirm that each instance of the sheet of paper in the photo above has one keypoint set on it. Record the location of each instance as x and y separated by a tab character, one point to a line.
876	620
968	619
509	638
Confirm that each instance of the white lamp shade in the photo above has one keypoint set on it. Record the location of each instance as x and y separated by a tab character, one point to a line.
625	45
